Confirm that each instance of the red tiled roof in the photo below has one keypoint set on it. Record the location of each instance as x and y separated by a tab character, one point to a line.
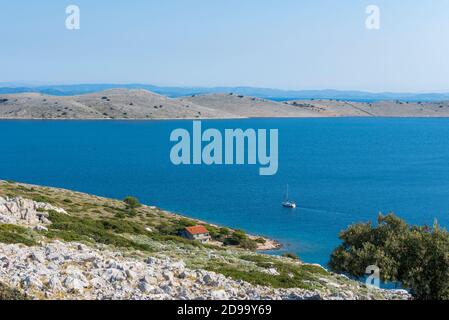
197	230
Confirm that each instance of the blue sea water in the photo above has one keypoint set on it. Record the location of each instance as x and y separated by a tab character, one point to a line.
340	171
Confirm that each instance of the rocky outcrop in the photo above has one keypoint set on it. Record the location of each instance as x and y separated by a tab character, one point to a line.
60	270
25	212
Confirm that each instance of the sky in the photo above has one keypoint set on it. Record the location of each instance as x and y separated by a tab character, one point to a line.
284	44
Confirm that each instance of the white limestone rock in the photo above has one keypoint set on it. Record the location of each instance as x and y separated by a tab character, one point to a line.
73	271
25	212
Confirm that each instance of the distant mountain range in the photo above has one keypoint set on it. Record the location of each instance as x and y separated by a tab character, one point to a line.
265	93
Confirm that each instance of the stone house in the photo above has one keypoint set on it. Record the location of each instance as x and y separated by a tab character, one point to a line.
199	233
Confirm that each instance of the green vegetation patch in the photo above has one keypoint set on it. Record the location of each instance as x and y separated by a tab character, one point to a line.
240	239
105	231
413	255
41	198
290	275
12	234
173	226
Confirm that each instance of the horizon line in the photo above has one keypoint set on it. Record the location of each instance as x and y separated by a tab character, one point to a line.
36	84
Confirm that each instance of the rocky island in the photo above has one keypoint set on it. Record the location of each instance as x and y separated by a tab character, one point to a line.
144	105
60	244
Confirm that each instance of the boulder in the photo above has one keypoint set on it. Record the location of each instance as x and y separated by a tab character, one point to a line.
145	287
113	275
31	281
271	271
25	212
73	284
219	295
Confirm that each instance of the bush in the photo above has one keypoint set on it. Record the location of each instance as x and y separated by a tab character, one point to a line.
240	235
235	239
218	234
415	256
106	232
239	238
290	275
231	242
248	244
132	202
224	231
12	234
131	213
41	198
173	227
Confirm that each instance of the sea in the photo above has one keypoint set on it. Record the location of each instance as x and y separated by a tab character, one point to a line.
340	171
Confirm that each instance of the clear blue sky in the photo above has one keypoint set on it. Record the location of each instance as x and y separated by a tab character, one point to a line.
290	44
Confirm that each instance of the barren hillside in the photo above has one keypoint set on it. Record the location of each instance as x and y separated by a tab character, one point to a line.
110	104
334	108
142	104
250	107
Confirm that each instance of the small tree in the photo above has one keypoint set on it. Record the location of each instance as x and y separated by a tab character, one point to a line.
131	202
240	238
418	257
224	232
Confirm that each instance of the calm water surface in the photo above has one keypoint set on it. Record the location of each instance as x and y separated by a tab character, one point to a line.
340	171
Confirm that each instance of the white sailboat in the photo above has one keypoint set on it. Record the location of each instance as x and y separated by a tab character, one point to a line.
287	203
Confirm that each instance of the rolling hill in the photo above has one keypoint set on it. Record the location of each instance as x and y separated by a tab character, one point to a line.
143	104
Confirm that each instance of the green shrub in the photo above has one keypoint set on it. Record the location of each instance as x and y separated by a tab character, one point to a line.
217	234
41	198
231	242
102	231
174	226
248	244
132	202
120	215
224	231
240	238
131	213
239	235
12	234
259	260
415	256
290	275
